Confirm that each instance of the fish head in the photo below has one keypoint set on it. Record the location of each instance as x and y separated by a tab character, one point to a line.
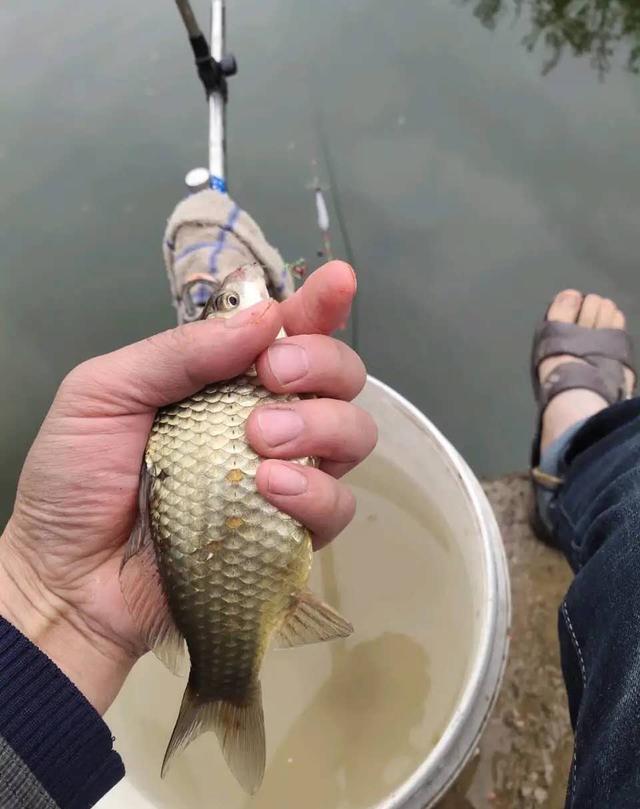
241	289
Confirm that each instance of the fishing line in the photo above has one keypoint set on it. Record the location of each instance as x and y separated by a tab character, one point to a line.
334	192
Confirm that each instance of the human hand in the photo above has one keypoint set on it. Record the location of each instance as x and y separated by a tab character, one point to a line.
61	551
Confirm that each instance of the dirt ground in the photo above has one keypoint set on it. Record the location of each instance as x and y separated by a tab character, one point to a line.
524	756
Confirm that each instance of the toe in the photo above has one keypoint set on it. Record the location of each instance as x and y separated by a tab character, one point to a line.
589	311
565	306
606	313
629	381
619	321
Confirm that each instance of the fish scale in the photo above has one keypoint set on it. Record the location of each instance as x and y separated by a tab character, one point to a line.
212	563
197	503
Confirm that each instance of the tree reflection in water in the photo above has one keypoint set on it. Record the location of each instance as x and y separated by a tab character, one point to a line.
595	29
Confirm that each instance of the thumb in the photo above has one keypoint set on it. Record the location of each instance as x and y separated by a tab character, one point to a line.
169	366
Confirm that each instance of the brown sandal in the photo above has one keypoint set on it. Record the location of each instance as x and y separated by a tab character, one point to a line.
605	353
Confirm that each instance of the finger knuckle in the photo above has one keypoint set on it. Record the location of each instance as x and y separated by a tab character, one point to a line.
343	507
179	339
370	430
327	356
349	503
333	497
363	429
360	378
80	388
349	367
77	378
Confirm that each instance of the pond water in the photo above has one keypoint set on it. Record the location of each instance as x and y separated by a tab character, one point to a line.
471	184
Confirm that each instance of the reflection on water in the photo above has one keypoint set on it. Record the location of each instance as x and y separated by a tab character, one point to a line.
471	186
348	722
597	29
357	728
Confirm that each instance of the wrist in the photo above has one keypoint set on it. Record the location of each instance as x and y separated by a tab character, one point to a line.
96	665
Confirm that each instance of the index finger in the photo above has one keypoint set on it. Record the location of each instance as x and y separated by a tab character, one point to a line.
323	303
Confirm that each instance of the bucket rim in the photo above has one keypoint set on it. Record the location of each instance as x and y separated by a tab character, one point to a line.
443	764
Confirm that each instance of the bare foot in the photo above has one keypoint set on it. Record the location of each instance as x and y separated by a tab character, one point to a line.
572	406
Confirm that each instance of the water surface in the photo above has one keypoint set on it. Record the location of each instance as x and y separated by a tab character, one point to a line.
472	187
347	722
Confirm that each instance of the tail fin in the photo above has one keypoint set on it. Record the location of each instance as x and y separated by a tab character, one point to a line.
239	728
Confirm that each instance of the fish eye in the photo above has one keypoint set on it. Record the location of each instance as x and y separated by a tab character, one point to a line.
227	301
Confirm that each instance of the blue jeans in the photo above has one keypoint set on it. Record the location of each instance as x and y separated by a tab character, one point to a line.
595	522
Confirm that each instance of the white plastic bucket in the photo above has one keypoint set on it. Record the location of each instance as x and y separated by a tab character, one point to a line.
142	717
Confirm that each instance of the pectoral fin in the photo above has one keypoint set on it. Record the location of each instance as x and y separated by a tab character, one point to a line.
143	590
310	621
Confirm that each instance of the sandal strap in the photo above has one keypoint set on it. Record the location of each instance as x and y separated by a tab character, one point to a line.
550	482
605	353
572	375
553	338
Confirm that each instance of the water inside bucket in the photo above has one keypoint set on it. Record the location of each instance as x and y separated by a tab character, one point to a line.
347	722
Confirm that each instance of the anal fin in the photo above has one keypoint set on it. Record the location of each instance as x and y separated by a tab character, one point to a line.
143	590
310	621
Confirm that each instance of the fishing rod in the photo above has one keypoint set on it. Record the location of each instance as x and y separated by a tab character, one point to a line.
214	67
323	217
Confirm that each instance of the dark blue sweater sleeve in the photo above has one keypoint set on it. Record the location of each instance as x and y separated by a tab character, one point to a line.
52	741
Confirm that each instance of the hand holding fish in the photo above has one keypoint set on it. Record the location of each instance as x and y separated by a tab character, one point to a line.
62	549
